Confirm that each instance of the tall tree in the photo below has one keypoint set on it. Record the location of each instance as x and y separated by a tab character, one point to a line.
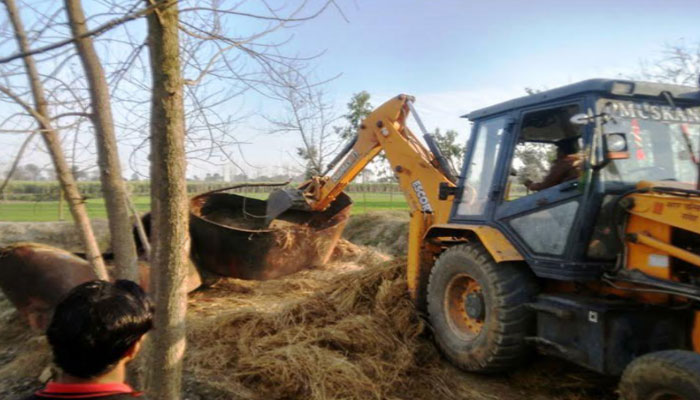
453	151
308	115
113	186
359	108
678	63
170	237
535	160
227	49
40	113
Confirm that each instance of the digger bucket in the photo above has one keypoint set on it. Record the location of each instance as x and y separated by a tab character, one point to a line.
231	236
282	200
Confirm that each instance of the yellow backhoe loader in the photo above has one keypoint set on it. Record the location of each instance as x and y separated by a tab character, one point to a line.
600	266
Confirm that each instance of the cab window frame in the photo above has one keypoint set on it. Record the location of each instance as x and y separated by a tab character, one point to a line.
487	212
581	101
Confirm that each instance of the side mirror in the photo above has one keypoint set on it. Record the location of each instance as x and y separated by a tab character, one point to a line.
581	119
615	146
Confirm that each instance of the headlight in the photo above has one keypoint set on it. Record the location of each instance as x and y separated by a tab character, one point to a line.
616	142
615	146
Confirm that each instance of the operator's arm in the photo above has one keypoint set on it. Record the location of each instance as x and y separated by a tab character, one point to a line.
557	174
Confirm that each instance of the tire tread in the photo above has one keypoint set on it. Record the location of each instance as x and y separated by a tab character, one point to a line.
512	286
679	369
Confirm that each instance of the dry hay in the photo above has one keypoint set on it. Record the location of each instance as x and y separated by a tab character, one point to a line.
384	230
63	235
355	337
347	331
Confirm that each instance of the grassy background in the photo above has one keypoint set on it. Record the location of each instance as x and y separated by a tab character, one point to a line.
48	210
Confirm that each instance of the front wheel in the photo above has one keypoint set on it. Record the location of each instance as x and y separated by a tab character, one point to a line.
477	309
662	375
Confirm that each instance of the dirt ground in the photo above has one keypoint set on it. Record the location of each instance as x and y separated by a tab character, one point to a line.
344	331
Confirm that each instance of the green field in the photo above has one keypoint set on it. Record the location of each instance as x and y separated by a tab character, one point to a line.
49	210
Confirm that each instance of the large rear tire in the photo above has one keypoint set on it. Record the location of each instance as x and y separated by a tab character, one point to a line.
477	309
662	375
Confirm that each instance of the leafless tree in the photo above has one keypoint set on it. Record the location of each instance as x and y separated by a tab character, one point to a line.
41	114
307	115
222	63
170	237
678	63
113	186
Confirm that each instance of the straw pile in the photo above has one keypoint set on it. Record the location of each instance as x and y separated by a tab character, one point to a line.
63	235
347	331
385	230
353	339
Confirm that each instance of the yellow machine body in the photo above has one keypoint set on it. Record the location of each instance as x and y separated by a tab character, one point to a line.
652	216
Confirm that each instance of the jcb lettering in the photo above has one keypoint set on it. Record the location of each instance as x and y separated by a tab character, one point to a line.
345	166
422	197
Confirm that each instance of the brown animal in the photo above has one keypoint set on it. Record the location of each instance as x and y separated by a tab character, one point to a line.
34	277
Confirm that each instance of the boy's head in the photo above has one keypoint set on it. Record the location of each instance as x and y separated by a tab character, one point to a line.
98	324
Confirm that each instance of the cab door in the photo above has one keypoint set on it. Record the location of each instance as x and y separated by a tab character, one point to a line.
481	169
542	223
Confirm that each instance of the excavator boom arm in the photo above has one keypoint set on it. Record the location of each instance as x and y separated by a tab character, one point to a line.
417	168
421	174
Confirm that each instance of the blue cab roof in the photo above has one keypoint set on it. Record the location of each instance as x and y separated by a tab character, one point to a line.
614	87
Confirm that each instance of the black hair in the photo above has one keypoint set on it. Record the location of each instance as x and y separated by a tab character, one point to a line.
95	325
568	145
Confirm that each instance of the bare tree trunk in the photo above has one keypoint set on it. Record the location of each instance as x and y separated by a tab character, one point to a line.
113	185
40	112
169	223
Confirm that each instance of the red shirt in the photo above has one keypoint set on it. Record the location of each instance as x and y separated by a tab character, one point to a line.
112	391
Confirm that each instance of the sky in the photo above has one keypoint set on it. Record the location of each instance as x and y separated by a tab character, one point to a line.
457	55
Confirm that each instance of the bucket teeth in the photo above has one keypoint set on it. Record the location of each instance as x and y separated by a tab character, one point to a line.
283	200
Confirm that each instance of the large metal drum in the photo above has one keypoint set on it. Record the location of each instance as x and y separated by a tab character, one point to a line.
230	236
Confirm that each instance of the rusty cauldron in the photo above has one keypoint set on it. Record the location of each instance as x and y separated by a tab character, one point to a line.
230	236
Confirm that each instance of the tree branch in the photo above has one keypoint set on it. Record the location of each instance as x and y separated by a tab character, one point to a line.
262	17
72	114
20	153
95	32
29	109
